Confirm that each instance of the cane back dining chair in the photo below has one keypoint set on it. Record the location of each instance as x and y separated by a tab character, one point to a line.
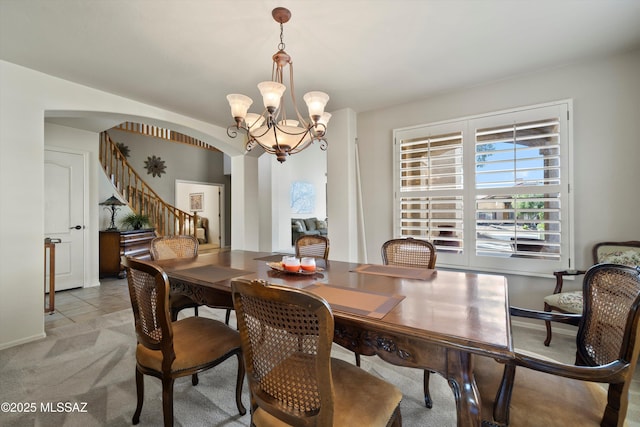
286	337
542	392
312	246
169	350
410	252
624	253
179	246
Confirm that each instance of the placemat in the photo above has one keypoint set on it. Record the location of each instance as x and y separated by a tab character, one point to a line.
211	273
276	257
396	271
363	303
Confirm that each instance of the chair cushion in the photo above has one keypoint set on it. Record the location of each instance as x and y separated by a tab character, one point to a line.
361	399
197	342
570	302
541	399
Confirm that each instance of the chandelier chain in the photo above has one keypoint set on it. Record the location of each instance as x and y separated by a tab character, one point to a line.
281	46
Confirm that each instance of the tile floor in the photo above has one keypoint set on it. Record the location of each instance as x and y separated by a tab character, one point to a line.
77	305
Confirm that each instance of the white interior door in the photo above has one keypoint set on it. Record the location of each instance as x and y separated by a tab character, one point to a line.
64	174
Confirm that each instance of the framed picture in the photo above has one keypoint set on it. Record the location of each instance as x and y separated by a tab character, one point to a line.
196	202
303	198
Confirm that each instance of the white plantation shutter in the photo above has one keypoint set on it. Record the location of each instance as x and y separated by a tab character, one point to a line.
491	192
517	182
431	188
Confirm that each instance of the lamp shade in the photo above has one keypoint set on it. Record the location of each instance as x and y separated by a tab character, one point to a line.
112	201
271	93
239	104
286	134
253	120
324	119
316	101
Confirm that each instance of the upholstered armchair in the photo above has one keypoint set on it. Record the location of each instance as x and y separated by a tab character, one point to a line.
623	253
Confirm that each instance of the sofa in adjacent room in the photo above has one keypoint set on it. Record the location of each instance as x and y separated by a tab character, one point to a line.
307	226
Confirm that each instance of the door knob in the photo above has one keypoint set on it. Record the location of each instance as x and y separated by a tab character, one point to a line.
77	227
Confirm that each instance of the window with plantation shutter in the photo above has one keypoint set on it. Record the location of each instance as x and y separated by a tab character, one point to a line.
431	188
491	191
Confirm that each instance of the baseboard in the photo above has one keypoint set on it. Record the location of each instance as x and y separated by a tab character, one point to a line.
210	248
23	341
567	330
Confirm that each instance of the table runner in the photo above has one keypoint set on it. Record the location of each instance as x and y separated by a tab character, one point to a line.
396	271
211	273
356	301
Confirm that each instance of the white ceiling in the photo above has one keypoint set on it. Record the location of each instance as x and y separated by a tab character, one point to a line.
187	55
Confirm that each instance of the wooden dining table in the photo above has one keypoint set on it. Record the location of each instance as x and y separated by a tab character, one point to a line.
427	319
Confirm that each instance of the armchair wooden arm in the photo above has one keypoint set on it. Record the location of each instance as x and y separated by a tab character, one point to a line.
611	372
560	278
572	319
551	393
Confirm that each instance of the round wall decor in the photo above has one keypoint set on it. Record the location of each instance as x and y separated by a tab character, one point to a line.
155	166
124	150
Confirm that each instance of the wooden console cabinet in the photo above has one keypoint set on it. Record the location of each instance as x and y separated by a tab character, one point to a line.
114	244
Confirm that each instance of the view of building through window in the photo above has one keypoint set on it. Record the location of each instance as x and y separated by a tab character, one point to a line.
491	185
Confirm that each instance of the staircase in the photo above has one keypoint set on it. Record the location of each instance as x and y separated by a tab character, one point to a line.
166	219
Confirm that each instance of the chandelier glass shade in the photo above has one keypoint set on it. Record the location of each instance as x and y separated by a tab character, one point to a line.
272	130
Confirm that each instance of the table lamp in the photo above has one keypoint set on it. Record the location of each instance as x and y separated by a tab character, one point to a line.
113	204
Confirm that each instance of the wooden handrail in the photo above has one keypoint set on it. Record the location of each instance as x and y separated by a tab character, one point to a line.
163	133
165	218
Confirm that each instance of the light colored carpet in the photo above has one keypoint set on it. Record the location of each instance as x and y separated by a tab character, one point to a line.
93	362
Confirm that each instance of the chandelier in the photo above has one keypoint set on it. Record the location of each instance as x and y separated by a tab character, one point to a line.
273	130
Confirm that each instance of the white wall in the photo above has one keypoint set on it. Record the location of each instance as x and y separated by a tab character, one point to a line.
341	208
606	124
309	166
26	97
245	211
341	183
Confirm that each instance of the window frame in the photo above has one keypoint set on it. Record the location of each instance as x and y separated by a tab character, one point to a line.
467	259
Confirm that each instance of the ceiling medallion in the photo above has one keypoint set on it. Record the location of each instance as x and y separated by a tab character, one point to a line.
271	129
154	166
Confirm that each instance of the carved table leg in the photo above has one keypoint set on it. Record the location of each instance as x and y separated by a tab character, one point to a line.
503	398
464	388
